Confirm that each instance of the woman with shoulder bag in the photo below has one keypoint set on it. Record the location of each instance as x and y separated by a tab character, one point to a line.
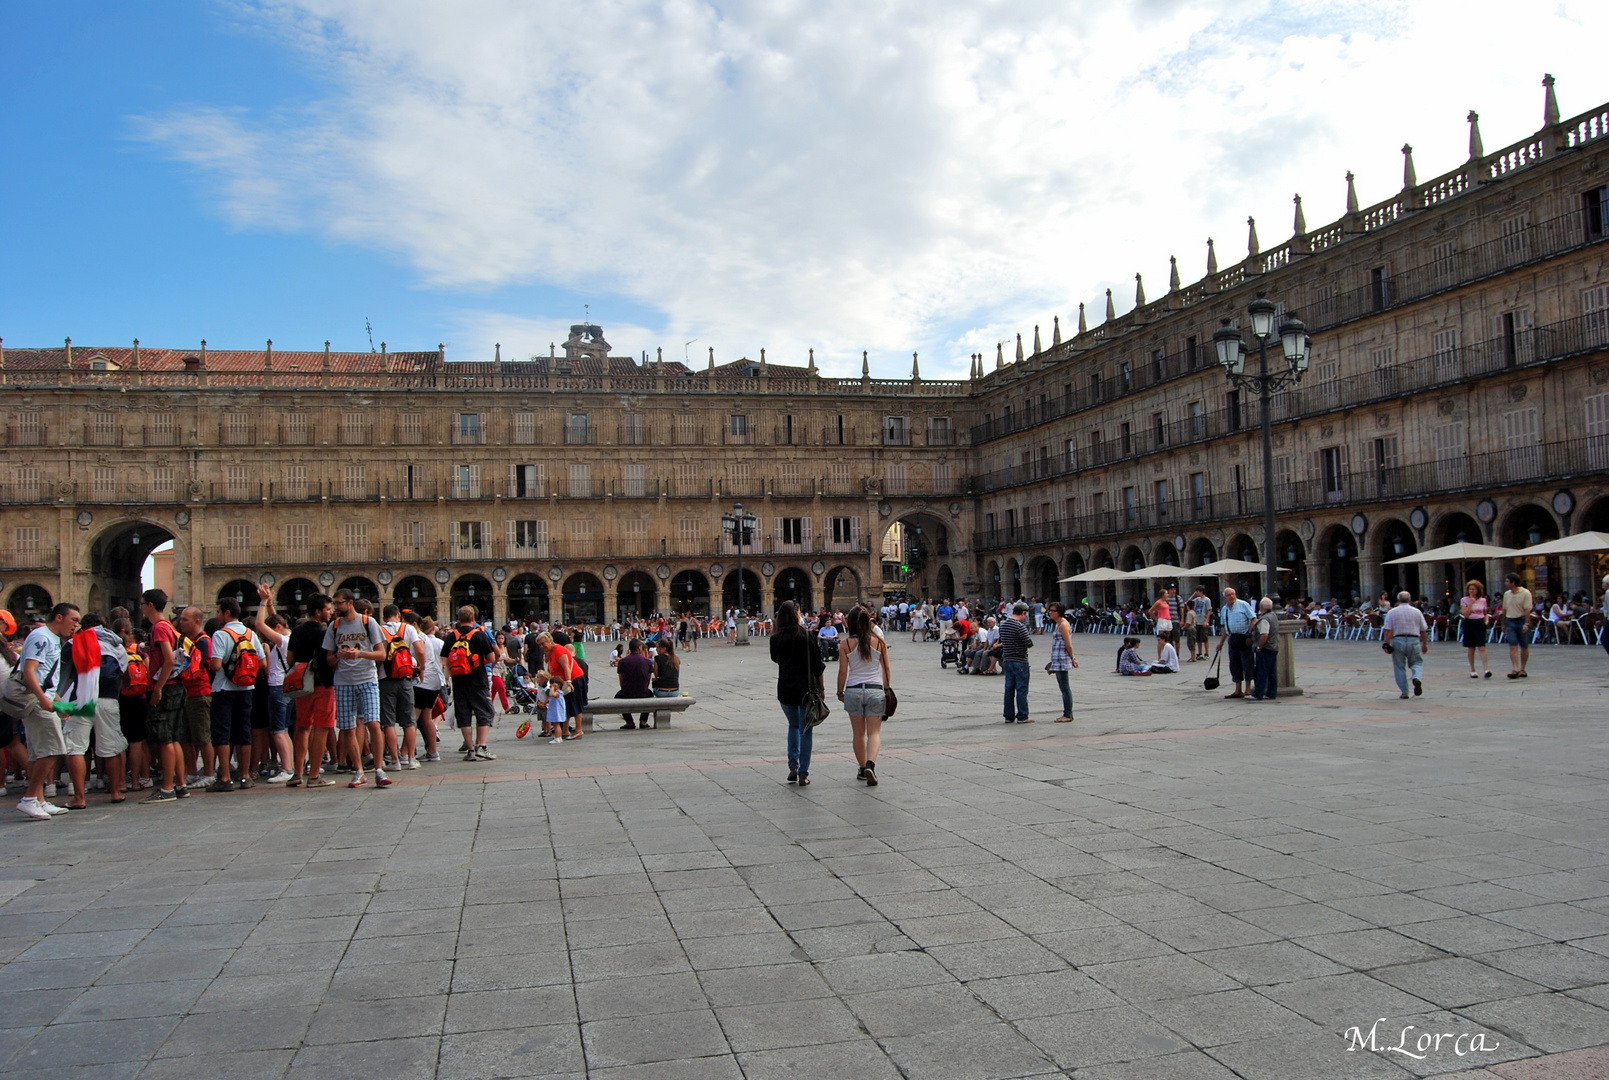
800	670
1062	659
863	679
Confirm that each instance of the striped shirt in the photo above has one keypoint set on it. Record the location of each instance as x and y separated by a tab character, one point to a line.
1014	640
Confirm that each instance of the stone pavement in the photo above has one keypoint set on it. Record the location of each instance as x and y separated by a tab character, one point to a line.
1174	887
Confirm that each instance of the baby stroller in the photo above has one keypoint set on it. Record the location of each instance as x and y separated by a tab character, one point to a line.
521	691
950	653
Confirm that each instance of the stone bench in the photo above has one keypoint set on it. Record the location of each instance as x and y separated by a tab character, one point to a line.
661	707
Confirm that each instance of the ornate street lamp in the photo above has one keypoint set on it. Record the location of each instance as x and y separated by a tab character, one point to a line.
741	526
1298	349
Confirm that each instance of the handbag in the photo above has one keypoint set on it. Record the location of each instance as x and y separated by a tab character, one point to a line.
298	682
815	702
890	702
1211	681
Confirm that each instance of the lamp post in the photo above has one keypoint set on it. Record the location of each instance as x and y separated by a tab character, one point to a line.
1298	348
741	526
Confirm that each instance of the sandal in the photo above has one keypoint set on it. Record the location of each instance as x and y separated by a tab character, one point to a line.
120	798
1064	719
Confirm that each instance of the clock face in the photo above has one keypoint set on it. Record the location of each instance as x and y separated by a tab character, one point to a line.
1563	502
555	574
442	577
1418	519
1359	524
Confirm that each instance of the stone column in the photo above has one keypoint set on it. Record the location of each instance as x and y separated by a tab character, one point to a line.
1318	579
556	604
1370	577
1285	669
499	603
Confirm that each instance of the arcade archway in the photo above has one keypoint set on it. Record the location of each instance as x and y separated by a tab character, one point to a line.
793	584
29	604
362	588
116	559
291	601
841	589
417	594
690	594
474	591
583	600
752	599
1397	541
637	594
528	598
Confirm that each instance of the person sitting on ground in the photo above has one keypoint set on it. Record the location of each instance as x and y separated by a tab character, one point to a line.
1168	662
1129	662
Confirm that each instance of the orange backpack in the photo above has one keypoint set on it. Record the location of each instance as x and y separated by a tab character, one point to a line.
244	664
399	658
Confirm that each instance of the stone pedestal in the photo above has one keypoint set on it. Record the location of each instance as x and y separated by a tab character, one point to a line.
742	635
1285	670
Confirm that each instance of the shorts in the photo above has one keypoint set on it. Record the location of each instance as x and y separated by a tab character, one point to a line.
472	703
425	698
75	732
197	730
164	720
45	738
865	701
1514	632
231	718
1164	627
316	710
279	712
1198	635
356	705
396	703
132	713
109	738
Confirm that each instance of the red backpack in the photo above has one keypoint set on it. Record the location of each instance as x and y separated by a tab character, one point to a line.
194	676
139	675
461	660
399	658
244	664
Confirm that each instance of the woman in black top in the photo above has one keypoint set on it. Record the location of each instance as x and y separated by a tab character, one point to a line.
667	669
799	665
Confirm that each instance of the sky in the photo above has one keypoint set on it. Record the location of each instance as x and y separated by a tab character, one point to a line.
927	177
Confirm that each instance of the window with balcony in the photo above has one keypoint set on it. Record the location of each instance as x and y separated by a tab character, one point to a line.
1131	509
1387	458
1595	313
1595	205
633	432
1232	406
28	428
295	482
580	534
410	428
788	479
845	533
529	539
1161	498
739	477
790	532
580	480
28	541
236	427
943	479
1332	469
525	428
411	535
469	428
103	483
159	429
1069	459
689	536
1126	376
295	428
634	481
527	481
686	429
1517	237
354	429
103	428
839	472
1126	438
737	425
1444	347
1596	414
237	481
1159	429
578	429
466	482
469	536
298	538
1384	361
1198	492
355	539
1444	260
238	537
939	431
896	431
787	430
1192	353
162	483
897	478
354	481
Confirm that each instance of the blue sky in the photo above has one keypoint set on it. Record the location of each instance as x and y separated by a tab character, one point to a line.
934	177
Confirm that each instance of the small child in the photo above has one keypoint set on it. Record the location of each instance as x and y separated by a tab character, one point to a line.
544	699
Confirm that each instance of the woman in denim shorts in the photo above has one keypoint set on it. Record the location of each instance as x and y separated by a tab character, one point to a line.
863	678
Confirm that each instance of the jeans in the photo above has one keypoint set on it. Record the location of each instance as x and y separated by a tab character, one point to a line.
800	738
1066	693
1265	682
278	710
1407	656
1016	684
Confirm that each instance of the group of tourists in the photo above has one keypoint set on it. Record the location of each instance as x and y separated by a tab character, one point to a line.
182	701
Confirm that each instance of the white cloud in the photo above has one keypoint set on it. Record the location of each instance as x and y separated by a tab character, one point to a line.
897	177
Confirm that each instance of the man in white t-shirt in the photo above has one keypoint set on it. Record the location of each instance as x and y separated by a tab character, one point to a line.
354	646
396	690
231	701
39	675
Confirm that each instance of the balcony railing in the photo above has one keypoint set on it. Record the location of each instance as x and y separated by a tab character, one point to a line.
1538	345
1535	463
30	558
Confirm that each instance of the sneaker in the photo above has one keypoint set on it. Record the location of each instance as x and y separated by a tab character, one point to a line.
382	780
246	782
390	762
33	808
52	809
159	796
320	781
555	739
50	789
281	777
181	792
295	781
221	786
1418	688
410	763
469	755
483	754
359	781
434	755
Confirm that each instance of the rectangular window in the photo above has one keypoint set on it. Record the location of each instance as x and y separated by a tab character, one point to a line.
896	431
939	431
1383	361
787	430
354	481
1387	459
468	428
237	481
634	481
1069	459
298	537
103	432
788	478
580	481
580	534
1094	387
1510	332
1126	372
466	482
1451	447
412	534
1379	288
525	428
162	483
527	481
1237	487
294	429
1517	238
530	538
634	530
28	428
845	532
1192	353
354	429
739	477
632	429
1198	421
1097	503
295	482
689	536
687	479
578	429
470	536
159	429
239	538
738	425
1159	429
1198	492
1597	417
1595	313
410	428
1162	498
103	483
896	478
840	477
1282	480
792	531
237	427
1522	438
686	429
1444	349
1130	505
1232	407
840	429
355	538
29	543
1159	364
1443	260
943	479
1331	466
1595	204
1126	437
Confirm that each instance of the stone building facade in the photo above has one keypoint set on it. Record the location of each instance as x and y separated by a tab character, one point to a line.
1458	389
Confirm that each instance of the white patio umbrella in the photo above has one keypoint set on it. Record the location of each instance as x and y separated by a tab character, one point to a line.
1100	573
1228	566
1585	543
1463	551
1158	570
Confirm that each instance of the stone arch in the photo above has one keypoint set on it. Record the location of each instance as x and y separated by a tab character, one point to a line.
415	593
690	594
471	590
1241	546
991	580
946	582
1290	555
116	556
363	588
1526	526
29	603
1339	546
637	592
793	583
527	598
837	585
1041	579
583	599
291	600
1202	552
1395	540
240	590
